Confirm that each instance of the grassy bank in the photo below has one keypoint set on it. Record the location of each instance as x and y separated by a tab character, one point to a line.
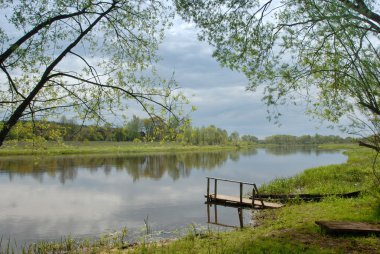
109	147
291	229
105	147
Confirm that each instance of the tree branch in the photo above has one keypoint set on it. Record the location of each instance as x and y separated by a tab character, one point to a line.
45	77
34	31
376	148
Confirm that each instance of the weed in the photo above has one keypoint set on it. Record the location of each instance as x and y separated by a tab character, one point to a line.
148	229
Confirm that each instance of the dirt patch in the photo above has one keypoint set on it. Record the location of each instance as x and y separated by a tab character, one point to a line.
345	244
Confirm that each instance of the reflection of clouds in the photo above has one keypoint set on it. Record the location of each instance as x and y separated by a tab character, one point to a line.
42	201
30	212
160	194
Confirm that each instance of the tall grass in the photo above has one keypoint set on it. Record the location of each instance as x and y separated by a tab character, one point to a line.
356	174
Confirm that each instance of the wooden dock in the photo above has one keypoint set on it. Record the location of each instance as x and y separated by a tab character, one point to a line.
239	201
349	227
245	202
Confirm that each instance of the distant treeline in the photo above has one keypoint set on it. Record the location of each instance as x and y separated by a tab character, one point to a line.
306	140
136	130
141	130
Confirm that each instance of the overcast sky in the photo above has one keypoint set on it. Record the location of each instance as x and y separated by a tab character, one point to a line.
219	93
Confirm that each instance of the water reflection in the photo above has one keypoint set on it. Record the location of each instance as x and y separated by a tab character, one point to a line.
287	150
216	217
103	193
176	165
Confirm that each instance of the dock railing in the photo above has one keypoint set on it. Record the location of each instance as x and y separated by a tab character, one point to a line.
254	189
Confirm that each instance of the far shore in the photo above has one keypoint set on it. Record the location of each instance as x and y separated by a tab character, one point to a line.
110	147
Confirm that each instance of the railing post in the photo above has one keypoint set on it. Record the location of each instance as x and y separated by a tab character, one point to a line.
253	197
257	192
216	213
208	213
240	213
215	187
241	193
208	189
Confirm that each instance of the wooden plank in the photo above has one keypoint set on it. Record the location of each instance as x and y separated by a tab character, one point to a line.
223	225
349	227
245	201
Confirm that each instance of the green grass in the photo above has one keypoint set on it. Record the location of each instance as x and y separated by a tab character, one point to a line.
356	174
104	147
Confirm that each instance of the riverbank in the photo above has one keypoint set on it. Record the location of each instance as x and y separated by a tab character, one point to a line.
292	229
109	147
105	147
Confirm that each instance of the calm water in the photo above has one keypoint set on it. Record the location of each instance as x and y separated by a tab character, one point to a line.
82	196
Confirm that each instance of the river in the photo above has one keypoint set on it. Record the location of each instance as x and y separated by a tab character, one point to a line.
47	198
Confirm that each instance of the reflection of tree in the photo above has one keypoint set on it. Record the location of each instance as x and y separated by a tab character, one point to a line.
248	152
176	165
37	167
287	150
234	156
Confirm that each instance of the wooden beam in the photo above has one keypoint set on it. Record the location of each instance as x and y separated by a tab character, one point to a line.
349	227
235	201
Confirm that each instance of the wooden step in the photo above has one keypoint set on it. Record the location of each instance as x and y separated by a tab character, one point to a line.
349	227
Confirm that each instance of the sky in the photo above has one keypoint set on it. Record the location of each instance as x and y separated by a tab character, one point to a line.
219	93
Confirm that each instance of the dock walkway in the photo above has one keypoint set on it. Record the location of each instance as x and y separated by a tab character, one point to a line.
246	202
239	201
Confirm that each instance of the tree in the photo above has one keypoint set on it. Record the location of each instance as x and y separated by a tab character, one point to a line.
249	139
234	137
325	53
133	128
92	57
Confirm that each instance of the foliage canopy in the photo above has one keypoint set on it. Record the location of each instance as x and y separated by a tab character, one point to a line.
87	55
325	53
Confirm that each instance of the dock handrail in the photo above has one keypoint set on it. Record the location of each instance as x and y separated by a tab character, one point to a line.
254	188
228	180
